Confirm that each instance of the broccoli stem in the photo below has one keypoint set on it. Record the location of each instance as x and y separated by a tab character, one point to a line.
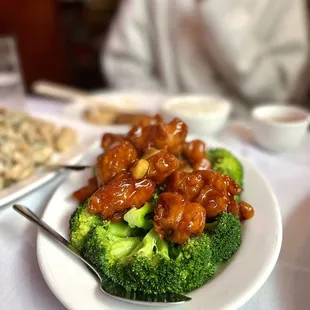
121	230
124	247
150	244
162	247
147	245
211	226
136	217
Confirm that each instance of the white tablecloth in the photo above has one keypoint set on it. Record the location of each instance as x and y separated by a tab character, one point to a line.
22	285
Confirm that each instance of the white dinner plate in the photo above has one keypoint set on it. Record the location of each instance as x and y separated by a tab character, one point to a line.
242	276
86	140
125	101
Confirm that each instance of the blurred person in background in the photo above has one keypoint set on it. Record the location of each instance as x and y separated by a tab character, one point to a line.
247	50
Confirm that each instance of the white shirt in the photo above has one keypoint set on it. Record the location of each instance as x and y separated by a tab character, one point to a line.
246	49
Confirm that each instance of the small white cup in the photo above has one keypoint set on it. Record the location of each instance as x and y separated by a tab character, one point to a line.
279	128
204	115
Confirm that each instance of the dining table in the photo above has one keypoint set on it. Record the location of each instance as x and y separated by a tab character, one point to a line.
22	286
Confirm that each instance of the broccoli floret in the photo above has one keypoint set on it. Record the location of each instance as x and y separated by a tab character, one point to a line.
195	263
110	286
137	217
81	222
161	267
150	264
105	246
226	163
126	259
143	217
226	237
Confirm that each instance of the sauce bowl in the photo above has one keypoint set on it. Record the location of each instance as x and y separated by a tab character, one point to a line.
280	128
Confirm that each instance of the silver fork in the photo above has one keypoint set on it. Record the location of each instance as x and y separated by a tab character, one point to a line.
117	292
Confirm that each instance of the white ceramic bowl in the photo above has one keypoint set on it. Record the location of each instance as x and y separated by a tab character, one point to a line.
204	115
279	128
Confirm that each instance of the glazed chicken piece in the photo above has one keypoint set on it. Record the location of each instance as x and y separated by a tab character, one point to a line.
244	210
195	152
140	132
85	192
161	165
109	140
218	192
184	165
214	191
204	164
187	184
177	220
120	194
115	159
138	135
169	136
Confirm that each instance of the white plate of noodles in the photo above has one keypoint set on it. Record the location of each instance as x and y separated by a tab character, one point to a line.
29	143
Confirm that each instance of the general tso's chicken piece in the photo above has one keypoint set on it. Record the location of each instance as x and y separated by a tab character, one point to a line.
177	220
193	220
213	201
218	192
246	210
187	184
168	212
117	217
138	136
203	164
115	159
169	136
195	152
233	207
242	209
161	165
85	192
184	165
119	195
109	139
208	176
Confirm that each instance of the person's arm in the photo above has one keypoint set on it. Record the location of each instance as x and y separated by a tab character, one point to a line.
264	44
127	58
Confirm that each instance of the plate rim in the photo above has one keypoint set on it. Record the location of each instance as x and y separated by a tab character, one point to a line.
247	293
